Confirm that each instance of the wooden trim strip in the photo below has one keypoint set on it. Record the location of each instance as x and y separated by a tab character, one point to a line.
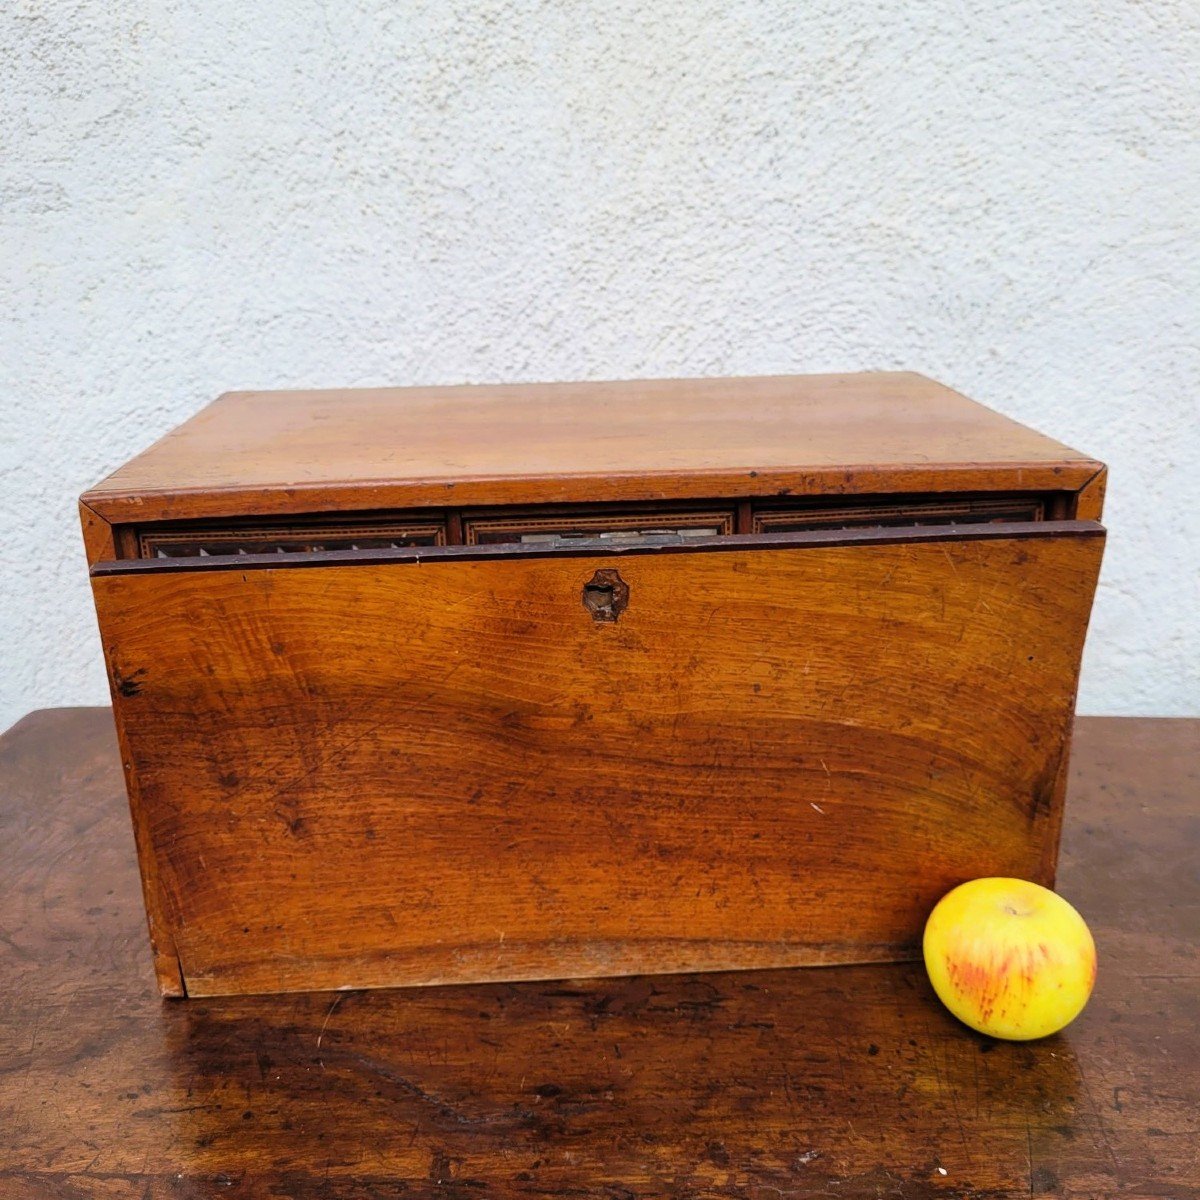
99	541
592	549
1089	500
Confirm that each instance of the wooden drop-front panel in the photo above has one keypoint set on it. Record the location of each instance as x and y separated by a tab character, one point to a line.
441	766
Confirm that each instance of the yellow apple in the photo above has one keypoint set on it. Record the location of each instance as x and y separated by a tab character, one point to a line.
1009	958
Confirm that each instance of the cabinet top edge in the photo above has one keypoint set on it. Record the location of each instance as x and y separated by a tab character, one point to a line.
265	453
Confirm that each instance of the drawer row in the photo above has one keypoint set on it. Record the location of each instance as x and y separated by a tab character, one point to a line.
384	530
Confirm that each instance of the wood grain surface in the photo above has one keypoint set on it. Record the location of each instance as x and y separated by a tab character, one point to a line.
444	768
847	1082
647	440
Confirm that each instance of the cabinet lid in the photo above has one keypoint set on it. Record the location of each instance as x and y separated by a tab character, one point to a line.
257	453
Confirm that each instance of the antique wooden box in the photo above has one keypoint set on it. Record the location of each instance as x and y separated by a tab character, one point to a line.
470	683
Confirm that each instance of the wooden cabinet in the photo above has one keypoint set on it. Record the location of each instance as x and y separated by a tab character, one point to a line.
755	709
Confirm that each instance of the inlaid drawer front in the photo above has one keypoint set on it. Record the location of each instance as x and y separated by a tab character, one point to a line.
965	510
480	530
290	539
550	527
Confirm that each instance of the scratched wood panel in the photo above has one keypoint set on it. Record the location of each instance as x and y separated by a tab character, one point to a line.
354	776
850	1082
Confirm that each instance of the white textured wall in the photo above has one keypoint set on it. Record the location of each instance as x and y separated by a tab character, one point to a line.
196	197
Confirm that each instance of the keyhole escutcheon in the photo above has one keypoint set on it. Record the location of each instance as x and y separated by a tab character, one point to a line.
606	595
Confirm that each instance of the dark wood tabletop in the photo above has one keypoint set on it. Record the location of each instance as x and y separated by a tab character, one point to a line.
839	1082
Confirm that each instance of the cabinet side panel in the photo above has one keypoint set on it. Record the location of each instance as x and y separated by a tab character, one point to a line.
358	776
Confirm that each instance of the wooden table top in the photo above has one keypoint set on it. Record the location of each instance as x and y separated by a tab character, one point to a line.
840	1082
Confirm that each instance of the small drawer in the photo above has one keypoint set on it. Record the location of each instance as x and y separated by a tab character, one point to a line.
293	538
901	512
483	530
